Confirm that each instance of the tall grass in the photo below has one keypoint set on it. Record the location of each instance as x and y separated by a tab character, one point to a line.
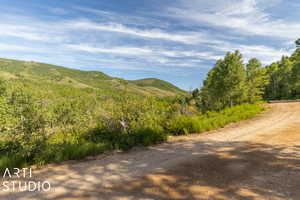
212	120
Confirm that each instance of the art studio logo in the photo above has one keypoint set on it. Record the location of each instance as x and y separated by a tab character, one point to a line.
21	180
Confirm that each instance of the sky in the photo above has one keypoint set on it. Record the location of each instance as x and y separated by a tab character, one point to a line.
175	40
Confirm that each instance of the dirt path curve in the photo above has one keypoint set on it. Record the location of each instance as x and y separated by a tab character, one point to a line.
255	159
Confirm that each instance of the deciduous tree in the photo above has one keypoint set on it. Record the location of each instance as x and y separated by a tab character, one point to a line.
226	83
256	80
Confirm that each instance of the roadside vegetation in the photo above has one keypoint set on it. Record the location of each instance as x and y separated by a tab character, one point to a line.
43	120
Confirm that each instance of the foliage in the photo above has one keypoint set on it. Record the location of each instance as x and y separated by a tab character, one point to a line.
152	82
213	119
297	42
130	118
256	80
51	114
108	86
230	82
60	123
225	84
284	78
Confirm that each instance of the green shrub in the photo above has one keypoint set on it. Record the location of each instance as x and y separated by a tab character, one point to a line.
212	120
11	161
148	136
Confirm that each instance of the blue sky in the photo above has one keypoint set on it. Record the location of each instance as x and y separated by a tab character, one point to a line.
174	40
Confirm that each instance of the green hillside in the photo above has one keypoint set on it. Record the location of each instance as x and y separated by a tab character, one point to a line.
157	83
13	69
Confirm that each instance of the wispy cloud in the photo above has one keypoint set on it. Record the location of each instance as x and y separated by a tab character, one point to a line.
183	37
242	16
21	31
133	51
156	55
9	47
126	19
266	54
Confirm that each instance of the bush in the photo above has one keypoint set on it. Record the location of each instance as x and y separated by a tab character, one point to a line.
148	136
133	121
212	120
23	132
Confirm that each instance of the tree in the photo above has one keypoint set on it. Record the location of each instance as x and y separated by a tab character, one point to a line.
280	79
295	74
226	83
295	80
295	57
284	73
256	80
271	90
297	42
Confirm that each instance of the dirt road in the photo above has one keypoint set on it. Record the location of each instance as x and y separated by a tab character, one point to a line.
257	159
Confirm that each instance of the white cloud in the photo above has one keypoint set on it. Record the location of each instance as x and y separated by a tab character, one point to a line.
241	16
264	53
21	31
28	28
239	8
133	51
183	37
143	52
9	47
123	18
182	57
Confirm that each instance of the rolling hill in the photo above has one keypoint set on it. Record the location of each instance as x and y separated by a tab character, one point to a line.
40	72
157	83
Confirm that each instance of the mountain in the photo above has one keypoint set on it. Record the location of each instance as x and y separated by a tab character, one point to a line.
40	72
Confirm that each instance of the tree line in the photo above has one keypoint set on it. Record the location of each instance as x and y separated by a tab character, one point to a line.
232	82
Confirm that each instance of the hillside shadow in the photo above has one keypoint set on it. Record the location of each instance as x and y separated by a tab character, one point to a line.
214	171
